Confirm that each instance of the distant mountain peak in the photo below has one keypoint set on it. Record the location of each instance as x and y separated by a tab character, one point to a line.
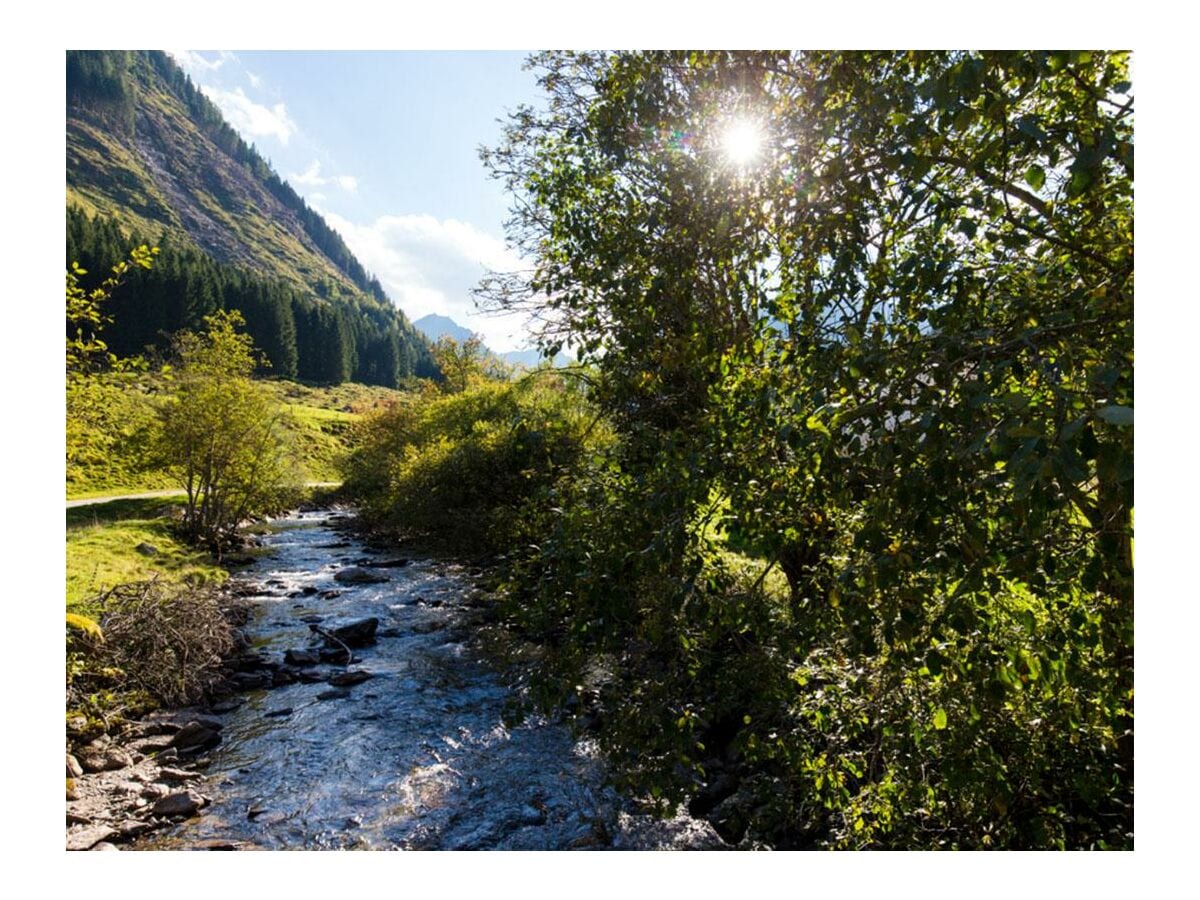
436	327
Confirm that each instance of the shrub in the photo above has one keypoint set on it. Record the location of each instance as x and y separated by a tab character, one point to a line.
166	641
463	467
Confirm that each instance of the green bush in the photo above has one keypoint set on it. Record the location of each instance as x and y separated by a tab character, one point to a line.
462	467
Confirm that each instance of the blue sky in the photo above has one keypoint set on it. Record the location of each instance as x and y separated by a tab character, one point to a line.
384	145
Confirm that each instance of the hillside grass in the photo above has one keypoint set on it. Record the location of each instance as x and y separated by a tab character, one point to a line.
321	421
101	542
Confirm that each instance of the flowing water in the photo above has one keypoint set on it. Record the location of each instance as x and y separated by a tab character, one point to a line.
417	757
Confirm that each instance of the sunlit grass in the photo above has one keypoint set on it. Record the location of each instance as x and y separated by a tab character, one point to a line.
101	542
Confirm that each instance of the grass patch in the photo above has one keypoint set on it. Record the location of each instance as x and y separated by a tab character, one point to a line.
101	542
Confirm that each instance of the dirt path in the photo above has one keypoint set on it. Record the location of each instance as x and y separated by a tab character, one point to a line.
170	492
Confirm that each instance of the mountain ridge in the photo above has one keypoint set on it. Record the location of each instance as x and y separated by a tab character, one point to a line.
148	150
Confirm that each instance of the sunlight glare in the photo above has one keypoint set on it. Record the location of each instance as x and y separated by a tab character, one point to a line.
741	142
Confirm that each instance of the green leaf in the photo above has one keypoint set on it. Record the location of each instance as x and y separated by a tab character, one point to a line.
815	424
84	624
1117	415
1035	177
939	719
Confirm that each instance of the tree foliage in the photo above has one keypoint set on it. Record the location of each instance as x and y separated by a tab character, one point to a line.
462	363
471	466
222	433
891	358
99	414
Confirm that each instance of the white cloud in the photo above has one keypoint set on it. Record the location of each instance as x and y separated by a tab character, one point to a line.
250	118
430	265
195	64
312	177
255	81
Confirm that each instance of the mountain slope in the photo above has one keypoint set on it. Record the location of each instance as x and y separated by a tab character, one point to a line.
150	151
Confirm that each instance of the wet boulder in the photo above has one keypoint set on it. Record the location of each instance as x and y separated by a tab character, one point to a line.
180	803
396	562
359	575
301	658
196	736
251	681
346	679
351	632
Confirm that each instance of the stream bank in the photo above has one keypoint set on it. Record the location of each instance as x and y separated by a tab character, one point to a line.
365	718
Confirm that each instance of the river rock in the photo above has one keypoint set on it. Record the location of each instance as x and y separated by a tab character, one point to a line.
226	706
301	657
132	828
352	633
334	694
346	679
146	549
196	736
168	773
252	681
74	770
249	662
151	744
330	594
103	759
359	575
278	713
105	845
158	726
395	563
181	803
88	836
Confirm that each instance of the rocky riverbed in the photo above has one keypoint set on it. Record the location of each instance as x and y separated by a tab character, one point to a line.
361	716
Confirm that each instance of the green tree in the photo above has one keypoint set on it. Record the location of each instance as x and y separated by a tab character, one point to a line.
886	336
223	433
98	411
461	363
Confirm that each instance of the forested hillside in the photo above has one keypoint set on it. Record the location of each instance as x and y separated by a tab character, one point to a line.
150	159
